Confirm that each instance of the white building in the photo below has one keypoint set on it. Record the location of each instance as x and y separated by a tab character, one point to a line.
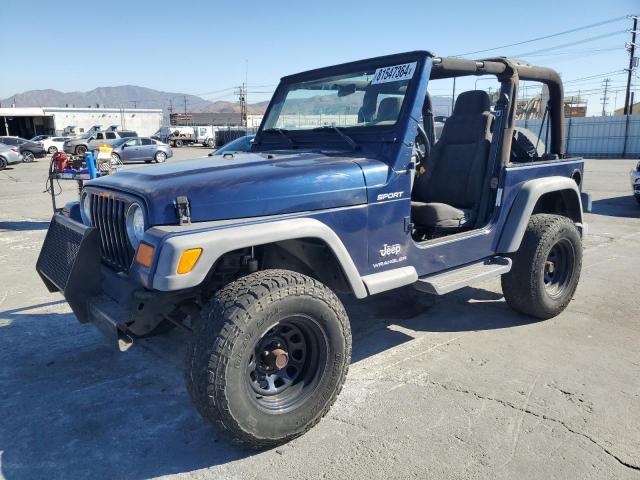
27	122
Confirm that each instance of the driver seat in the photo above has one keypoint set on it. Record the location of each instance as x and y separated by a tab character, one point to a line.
446	197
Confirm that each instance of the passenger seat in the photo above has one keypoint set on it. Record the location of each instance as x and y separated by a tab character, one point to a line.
445	199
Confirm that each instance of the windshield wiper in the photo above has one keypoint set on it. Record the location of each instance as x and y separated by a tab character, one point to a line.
354	146
283	134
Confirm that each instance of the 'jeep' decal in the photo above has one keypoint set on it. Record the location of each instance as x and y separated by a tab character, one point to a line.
390	250
389	196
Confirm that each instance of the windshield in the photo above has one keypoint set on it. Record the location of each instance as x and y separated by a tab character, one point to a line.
371	97
242	144
118	142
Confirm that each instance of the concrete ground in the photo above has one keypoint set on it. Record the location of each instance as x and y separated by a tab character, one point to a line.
452	387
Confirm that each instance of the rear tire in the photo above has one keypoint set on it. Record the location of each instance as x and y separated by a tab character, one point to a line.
178	143
81	150
52	150
546	267
209	143
160	157
269	356
28	157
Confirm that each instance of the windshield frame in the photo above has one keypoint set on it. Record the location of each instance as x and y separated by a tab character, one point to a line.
360	133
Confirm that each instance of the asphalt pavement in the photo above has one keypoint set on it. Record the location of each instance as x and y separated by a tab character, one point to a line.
458	386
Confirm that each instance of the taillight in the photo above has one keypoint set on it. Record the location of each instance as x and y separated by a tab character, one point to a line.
15	149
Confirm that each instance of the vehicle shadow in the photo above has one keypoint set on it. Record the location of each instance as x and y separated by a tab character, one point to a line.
76	407
24	225
375	320
623	206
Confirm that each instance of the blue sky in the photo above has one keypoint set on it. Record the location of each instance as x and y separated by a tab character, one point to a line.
200	47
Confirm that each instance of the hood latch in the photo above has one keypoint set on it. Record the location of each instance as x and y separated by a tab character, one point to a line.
183	210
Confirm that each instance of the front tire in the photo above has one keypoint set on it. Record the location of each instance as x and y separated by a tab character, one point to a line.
178	143
269	356
52	150
81	150
3	163
546	267
160	157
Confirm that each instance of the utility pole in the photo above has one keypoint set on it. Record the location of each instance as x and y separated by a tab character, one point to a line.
185	103
632	50
604	98
242	95
135	103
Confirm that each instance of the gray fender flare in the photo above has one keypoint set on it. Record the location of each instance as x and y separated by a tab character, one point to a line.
523	206
217	242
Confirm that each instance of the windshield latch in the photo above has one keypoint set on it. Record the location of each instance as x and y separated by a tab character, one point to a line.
183	210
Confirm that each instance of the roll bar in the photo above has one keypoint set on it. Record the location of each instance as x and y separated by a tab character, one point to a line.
513	71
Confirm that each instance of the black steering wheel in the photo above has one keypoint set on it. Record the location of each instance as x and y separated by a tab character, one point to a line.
421	146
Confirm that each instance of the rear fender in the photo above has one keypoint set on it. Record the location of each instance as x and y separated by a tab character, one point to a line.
527	202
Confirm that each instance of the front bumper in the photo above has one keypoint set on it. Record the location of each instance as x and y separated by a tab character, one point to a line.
119	307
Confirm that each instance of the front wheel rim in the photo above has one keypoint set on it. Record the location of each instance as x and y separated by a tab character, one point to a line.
559	267
286	364
28	157
160	157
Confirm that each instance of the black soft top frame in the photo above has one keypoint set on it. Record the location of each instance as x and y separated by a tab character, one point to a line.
511	71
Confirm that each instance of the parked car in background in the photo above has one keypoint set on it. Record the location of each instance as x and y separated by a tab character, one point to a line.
29	150
81	145
9	155
242	144
53	144
635	182
140	150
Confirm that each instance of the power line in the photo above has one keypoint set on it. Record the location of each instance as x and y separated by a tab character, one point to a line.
577	29
600	75
571	44
576	52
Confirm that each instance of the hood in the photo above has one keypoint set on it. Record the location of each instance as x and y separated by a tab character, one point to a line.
247	185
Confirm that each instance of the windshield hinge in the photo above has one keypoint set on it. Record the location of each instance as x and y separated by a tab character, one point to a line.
183	210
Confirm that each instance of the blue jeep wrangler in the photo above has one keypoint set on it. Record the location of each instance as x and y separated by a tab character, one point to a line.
247	252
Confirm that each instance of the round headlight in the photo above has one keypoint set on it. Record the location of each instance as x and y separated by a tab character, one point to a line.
135	224
85	208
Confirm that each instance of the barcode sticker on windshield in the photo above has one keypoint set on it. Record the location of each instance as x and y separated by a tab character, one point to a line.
395	73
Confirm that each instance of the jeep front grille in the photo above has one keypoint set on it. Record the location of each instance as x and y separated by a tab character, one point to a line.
108	215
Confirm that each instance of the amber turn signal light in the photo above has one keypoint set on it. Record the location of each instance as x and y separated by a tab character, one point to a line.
144	255
188	260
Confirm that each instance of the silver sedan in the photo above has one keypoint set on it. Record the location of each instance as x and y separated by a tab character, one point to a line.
138	149
9	155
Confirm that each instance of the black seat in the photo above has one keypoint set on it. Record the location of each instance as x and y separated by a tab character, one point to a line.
388	110
447	195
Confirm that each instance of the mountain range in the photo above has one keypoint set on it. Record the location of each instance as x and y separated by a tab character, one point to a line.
141	97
